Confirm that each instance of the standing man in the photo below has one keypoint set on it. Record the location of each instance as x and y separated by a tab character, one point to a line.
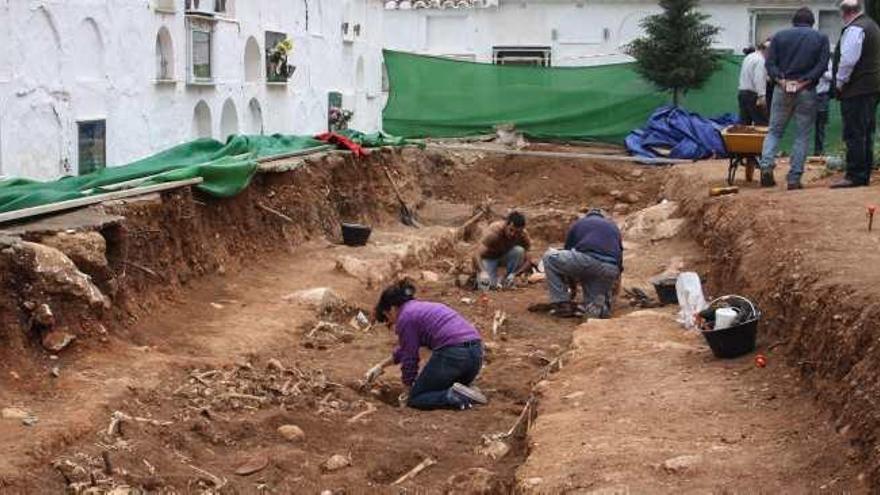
753	89
593	257
857	77
505	243
823	100
796	60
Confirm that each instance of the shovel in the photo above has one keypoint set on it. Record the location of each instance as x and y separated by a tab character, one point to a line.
407	215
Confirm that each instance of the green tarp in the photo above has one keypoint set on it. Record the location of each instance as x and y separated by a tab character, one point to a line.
225	168
438	97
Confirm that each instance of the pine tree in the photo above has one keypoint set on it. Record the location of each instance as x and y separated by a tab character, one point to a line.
676	52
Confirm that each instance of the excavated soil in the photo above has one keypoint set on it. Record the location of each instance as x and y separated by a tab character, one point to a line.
181	385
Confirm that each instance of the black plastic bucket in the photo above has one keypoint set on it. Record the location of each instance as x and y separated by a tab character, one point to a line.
734	341
355	234
665	289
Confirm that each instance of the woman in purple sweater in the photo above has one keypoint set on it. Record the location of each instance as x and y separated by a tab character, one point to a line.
456	350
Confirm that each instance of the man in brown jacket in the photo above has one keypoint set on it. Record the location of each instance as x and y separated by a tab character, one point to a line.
504	243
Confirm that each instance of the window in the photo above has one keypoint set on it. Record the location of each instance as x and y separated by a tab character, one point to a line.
252	57
766	23
831	25
201	50
92	145
163	5
220	6
522	55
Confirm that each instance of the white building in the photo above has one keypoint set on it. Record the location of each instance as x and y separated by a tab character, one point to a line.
87	83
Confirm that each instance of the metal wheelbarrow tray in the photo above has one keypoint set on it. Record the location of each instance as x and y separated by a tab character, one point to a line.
744	144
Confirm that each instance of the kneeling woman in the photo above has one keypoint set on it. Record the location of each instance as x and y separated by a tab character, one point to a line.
456	350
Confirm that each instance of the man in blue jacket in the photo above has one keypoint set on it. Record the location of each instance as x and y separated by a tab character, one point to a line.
796	60
593	257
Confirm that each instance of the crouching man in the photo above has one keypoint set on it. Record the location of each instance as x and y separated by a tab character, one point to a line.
505	243
593	257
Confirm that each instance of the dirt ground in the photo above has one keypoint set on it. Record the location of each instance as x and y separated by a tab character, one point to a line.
189	395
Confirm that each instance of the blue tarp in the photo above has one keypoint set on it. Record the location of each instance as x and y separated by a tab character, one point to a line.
673	132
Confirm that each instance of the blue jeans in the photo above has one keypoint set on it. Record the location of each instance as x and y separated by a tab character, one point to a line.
801	106
596	277
511	260
458	363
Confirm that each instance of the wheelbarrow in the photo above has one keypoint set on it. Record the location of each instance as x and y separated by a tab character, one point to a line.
744	144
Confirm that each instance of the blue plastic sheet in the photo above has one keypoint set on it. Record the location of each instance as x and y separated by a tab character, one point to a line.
673	132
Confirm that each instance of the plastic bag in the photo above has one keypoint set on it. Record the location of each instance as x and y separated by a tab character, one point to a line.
690	298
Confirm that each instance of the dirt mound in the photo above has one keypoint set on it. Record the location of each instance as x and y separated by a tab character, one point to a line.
806	259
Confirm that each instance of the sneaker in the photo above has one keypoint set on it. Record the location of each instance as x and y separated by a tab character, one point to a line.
565	310
845	184
471	394
767	179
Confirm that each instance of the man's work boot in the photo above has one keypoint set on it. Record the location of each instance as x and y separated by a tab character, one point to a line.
767	179
794	186
844	184
565	310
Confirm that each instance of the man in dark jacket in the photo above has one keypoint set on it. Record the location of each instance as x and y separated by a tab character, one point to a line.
796	60
857	78
593	257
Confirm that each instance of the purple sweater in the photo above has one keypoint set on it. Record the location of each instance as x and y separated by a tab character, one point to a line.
428	324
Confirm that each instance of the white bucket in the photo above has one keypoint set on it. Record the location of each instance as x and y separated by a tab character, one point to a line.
725	317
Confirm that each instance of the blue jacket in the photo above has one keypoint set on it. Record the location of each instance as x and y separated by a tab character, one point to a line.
598	237
799	53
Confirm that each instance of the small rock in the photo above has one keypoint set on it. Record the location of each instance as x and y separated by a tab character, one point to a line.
532	482
620	209
476	481
462	280
467	300
216	305
15	375
631	197
615	194
252	465
275	364
681	464
321	298
57	340
291	433
30	421
43	316
14	413
430	277
637	173
335	463
55	372
29	305
495	450
575	395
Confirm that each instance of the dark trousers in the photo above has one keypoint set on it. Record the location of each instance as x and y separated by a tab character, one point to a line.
822	101
458	363
749	112
859	123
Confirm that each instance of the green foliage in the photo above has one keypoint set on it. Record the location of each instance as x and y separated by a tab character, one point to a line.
872	7
676	52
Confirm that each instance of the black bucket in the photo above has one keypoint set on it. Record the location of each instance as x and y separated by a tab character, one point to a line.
355	234
665	289
734	341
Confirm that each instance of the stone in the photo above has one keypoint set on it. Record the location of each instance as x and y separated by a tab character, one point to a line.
477	481
291	433
55	372
620	209
59	275
252	465
643	225
681	464
43	316
57	340
335	463
369	274
494	450
320	299
14	413
87	249
631	197
429	276
637	173
274	364
530	483
573	396
615	194
462	280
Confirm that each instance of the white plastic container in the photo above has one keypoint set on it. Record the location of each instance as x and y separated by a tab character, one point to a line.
725	318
